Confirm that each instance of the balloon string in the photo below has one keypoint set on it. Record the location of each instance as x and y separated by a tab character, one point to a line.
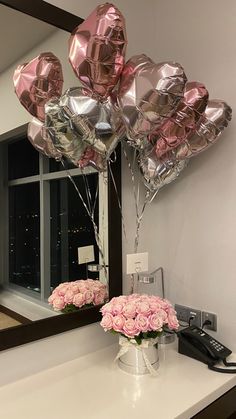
91	216
149	196
95	227
132	177
118	199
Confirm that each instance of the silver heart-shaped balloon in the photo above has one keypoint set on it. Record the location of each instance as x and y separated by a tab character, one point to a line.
40	140
148	93
64	138
208	129
158	173
96	122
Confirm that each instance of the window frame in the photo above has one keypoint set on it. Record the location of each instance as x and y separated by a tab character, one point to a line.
43	178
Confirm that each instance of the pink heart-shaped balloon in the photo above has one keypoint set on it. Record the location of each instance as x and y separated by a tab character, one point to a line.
182	123
148	93
38	81
208	129
97	49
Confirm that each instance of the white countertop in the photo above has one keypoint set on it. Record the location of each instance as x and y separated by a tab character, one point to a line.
93	387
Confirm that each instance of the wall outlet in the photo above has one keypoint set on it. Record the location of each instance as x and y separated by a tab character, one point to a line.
85	254
137	262
184	314
213	319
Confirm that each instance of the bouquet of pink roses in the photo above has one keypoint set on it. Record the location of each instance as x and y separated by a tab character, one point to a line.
138	316
70	296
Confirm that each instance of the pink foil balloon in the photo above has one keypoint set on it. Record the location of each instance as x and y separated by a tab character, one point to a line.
208	129
148	93
40	140
183	123
38	81
97	49
93	159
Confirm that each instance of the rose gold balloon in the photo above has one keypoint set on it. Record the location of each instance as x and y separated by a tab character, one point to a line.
182	123
40	140
93	159
148	94
208	129
38	81
97	49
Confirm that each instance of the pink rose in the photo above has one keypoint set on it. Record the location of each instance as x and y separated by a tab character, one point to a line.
107	322
165	304
173	322
79	300
121	300
58	303
52	298
154	305
62	290
163	315
129	310
107	308
155	322
142	323
98	298
130	330
143	308
68	297
118	323
117	308
88	296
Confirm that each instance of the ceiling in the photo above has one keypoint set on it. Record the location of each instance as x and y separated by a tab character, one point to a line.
19	33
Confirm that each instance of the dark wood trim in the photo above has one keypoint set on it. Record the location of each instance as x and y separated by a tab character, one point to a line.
39	329
222	408
14	315
115	227
46	12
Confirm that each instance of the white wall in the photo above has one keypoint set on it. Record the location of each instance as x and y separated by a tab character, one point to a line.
190	227
13	114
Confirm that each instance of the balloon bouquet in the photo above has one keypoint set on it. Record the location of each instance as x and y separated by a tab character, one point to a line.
149	107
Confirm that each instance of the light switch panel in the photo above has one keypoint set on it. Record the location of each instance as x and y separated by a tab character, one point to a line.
85	254
137	262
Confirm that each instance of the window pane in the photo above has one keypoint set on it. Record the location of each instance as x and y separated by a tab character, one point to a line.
70	228
24	240
23	160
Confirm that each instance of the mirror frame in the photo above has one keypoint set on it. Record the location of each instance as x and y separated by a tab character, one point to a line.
39	329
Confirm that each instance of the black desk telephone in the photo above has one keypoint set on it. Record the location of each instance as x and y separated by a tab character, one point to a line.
196	343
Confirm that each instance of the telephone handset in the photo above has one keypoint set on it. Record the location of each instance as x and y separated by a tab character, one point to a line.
196	343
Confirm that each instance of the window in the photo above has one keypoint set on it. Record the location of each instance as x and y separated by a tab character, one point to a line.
47	221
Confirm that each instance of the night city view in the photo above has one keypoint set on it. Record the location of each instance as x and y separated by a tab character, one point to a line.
70	228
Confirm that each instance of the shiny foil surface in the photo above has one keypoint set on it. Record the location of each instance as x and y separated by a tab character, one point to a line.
182	124
93	159
38	81
97	49
208	129
96	122
147	94
40	140
63	136
158	173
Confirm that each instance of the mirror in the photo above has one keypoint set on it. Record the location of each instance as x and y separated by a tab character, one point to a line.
40	236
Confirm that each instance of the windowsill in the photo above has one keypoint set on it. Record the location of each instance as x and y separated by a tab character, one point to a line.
29	309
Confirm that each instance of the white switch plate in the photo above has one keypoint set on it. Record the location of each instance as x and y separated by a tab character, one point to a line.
137	262
85	254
